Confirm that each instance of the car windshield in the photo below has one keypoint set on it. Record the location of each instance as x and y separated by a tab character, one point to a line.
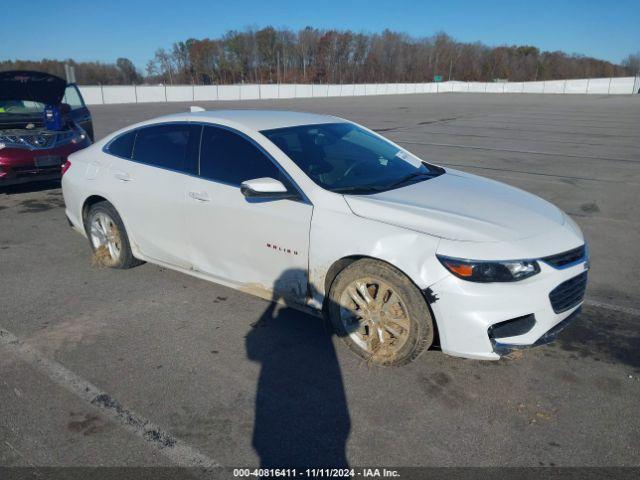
344	158
20	107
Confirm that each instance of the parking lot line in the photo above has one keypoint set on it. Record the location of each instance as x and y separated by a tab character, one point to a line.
177	451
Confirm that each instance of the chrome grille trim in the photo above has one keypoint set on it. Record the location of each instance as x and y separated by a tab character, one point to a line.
567	259
37	141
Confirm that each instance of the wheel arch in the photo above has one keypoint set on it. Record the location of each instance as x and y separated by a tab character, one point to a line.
339	265
89	202
97	198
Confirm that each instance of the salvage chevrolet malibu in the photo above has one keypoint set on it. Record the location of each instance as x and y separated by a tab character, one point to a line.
42	120
324	214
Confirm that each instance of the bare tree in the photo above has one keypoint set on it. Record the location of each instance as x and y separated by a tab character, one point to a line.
337	56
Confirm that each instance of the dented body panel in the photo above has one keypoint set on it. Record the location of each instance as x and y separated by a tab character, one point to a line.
289	249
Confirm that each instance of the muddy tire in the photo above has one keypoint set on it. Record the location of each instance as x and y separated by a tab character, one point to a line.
379	313
108	238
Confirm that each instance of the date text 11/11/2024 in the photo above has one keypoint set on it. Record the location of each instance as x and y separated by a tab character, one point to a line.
316	472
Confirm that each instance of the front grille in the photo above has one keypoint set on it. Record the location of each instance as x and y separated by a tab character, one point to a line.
568	294
563	259
40	140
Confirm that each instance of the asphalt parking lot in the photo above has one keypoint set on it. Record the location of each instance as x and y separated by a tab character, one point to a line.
238	382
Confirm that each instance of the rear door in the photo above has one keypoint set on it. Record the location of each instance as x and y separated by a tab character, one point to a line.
79	113
150	189
263	245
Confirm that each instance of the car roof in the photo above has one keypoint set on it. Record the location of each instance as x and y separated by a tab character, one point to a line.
261	119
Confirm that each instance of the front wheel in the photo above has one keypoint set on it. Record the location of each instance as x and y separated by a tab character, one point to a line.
379	313
108	237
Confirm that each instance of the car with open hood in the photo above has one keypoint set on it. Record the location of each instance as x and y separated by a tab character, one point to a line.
326	215
43	119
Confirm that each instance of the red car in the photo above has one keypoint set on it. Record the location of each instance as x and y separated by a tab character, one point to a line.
43	119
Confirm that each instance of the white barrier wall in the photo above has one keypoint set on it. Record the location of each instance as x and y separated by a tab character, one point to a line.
150	94
320	90
229	92
92	95
622	85
108	94
204	92
250	92
513	87
598	85
268	91
360	89
576	86
334	90
179	93
119	94
533	87
347	90
304	91
287	91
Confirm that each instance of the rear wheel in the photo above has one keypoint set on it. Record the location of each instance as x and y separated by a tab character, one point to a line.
108	237
379	313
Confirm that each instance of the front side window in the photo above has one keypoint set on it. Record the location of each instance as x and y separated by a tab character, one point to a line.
168	146
344	158
229	158
72	97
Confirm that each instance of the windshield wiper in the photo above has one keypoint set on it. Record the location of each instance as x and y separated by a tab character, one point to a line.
377	189
410	177
357	189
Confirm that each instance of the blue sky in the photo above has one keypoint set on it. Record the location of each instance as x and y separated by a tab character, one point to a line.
109	29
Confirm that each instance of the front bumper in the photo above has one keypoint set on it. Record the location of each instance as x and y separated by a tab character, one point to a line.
18	165
465	312
505	348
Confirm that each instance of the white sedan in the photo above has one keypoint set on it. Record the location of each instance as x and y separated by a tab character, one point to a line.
326	215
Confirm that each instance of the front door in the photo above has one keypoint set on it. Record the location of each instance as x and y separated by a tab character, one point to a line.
79	112
262	246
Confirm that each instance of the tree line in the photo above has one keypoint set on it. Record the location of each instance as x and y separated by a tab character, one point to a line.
312	55
123	72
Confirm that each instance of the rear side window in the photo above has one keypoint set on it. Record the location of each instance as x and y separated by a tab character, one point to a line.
123	145
227	157
172	146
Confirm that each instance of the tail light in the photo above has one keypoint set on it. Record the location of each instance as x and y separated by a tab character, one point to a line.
65	166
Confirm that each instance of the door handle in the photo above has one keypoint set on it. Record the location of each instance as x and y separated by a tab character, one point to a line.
124	176
200	196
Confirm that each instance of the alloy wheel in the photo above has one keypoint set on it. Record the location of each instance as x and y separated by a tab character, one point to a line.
375	317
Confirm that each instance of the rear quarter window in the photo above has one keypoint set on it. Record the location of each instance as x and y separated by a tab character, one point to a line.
122	146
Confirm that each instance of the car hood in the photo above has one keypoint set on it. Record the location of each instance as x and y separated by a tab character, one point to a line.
35	86
461	206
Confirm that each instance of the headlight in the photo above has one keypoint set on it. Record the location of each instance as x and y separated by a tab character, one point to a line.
488	271
76	135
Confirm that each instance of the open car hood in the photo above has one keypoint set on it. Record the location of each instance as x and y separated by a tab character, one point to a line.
35	86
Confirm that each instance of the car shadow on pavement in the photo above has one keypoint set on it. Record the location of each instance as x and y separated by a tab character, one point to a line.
603	335
36	186
301	416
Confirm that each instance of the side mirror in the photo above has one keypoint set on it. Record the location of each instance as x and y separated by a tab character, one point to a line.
65	108
265	188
